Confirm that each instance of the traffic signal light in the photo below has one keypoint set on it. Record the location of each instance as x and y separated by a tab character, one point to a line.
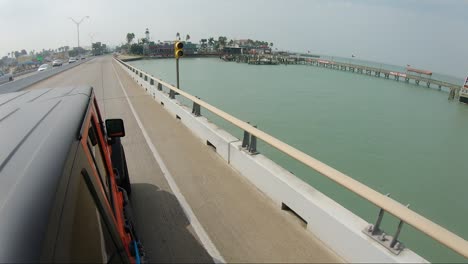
178	49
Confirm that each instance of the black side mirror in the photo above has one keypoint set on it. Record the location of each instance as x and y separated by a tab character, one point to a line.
115	128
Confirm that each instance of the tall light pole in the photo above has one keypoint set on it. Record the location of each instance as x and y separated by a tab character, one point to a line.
78	27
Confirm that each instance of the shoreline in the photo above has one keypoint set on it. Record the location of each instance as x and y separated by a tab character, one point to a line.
126	58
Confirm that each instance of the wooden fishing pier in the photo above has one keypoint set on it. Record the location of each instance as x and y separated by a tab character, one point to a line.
418	79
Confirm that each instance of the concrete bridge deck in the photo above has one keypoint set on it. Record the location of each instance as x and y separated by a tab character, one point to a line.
243	224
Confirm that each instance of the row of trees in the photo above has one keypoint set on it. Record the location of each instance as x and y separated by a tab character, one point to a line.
16	54
205	43
223	41
215	44
44	52
98	48
187	37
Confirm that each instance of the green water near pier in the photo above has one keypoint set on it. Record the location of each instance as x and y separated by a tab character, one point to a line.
397	138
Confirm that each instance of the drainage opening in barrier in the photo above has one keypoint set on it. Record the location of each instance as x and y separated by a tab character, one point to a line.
162	103
211	145
177	116
286	208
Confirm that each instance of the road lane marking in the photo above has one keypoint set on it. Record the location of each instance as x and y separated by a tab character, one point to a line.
199	230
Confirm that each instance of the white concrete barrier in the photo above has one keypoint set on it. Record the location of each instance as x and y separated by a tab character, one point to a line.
334	225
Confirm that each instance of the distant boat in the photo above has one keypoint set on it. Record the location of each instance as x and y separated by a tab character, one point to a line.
352	56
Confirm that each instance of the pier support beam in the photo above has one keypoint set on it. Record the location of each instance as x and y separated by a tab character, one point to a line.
452	93
407	79
417	82
428	84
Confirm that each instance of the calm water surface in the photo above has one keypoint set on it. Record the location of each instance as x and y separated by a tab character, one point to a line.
397	138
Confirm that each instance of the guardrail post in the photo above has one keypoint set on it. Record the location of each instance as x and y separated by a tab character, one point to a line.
389	242
196	111
253	144
395	243
376	227
171	94
159	87
246	139
151	82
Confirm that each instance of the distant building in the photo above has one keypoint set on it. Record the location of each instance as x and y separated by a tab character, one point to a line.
232	50
241	42
166	48
258	50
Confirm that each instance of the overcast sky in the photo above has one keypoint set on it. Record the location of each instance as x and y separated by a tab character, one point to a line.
427	34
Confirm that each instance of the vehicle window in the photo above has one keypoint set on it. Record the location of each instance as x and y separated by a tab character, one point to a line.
89	239
96	151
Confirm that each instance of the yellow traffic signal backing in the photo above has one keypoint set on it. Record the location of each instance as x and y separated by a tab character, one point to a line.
178	49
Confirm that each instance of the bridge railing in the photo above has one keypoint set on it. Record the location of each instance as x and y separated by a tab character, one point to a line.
384	202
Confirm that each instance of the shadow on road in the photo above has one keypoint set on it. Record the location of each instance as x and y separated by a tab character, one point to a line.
163	227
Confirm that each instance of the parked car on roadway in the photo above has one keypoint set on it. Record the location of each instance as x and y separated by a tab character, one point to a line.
57	63
43	67
5	77
64	181
71	60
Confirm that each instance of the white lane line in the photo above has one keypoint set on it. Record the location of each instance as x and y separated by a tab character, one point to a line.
201	233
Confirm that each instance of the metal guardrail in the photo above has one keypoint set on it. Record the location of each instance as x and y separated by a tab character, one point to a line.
384	202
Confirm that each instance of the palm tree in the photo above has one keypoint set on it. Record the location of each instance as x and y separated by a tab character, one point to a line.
271	44
130	37
177	36
211	41
187	37
222	41
203	43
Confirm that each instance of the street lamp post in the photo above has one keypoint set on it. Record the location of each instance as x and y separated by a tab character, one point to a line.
78	27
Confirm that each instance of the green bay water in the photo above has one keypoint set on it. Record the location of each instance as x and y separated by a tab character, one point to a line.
397	138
